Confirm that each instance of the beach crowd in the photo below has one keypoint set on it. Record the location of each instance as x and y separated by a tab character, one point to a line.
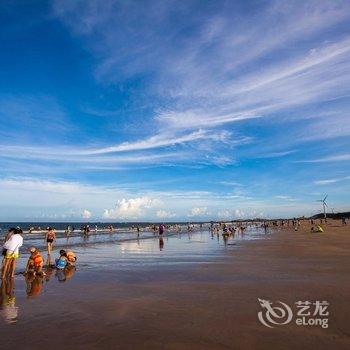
10	252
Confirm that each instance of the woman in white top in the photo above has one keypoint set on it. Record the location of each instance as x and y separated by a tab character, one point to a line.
7	237
12	253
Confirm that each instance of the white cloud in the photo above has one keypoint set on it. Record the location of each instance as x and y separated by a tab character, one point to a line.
50	186
132	208
277	154
332	158
239	214
156	141
331	181
198	211
135	154
202	80
62	200
230	183
225	214
86	214
79	155
287	198
163	214
53	198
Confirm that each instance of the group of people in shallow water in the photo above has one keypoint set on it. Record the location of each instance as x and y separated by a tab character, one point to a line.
35	264
226	229
36	271
35	261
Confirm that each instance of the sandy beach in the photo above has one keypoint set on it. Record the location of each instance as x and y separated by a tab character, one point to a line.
196	293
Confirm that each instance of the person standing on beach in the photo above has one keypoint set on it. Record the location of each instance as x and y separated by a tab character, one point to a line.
138	231
161	229
12	253
50	238
4	250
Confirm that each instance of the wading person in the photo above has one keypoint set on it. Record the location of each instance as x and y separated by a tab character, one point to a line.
12	246
50	238
4	250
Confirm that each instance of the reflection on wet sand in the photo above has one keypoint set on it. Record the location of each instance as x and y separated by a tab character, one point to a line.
161	243
180	247
34	285
9	310
48	272
66	274
48	260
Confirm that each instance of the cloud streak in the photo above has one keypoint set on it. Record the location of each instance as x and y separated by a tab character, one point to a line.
331	181
157	141
215	77
331	158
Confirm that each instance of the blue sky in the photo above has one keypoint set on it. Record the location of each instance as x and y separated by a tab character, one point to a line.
173	110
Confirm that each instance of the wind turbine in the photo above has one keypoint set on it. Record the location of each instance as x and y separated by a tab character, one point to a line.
324	204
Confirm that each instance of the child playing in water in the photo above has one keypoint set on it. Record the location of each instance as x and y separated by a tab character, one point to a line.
35	263
62	261
71	258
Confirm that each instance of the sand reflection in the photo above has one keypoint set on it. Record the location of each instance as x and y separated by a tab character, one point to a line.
9	309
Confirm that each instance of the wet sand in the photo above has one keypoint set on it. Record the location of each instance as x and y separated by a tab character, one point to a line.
199	295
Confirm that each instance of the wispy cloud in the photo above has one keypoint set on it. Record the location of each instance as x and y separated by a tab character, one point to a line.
287	198
204	82
230	183
198	147
157	141
331	181
331	158
277	154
